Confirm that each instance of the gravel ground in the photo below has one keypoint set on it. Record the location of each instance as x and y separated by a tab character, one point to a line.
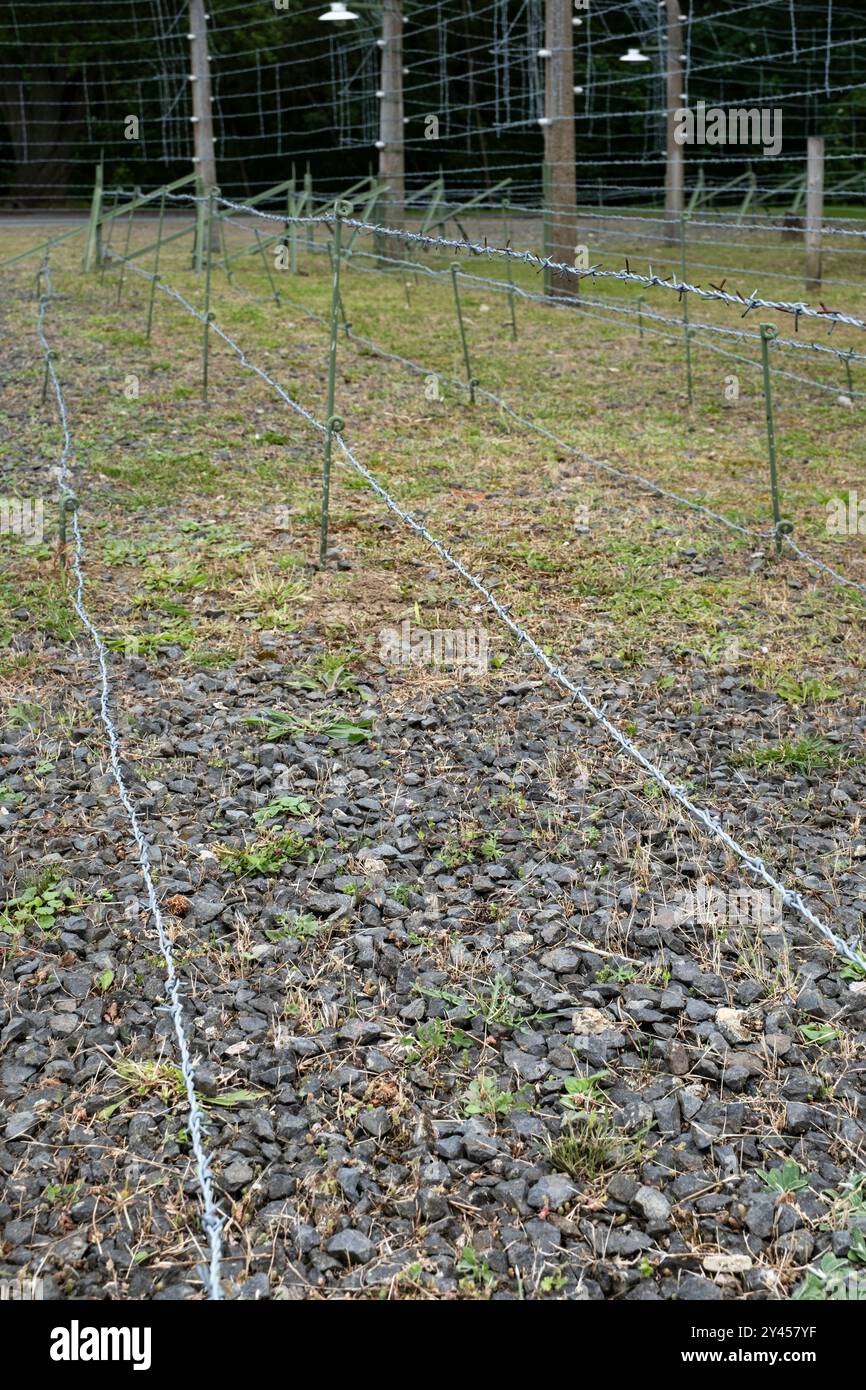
474	1008
475	910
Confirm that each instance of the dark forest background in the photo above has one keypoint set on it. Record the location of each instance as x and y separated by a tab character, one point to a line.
291	88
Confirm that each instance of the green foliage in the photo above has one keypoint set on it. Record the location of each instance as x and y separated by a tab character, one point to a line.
36	907
266	855
298	928
810	690
808	754
583	1092
593	1147
282	806
483	1097
788	1177
478	1277
277	724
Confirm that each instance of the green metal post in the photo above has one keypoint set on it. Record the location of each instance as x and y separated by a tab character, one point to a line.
200	215
847	360
687	336
506	228
308	205
93	245
469	377
46	374
68	503
768	333
153	282
340	304
291	227
641	300
545	197
104	261
126	248
333	423
206	229
274	291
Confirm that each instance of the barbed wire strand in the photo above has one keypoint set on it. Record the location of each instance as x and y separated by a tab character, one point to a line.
212	1219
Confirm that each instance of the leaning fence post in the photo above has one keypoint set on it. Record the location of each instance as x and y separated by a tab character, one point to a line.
136	193
93	245
470	379
780	527
49	357
207	314
153	282
103	260
333	423
274	291
641	300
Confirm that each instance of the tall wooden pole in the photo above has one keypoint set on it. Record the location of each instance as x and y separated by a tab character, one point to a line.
814	209
204	160
391	149
674	164
559	138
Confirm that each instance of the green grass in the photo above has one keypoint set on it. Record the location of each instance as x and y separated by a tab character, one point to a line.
805	755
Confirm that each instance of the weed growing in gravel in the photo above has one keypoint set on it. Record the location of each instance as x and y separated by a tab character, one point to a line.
329	672
478	1277
341	728
818	1034
805	755
593	1148
807	691
36	906
431	1039
848	1202
301	927
836	1279
483	1097
789	1177
151	1077
582	1093
497	1006
282	806
266	855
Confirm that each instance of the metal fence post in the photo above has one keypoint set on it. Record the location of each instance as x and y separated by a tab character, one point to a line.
333	423
780	527
470	379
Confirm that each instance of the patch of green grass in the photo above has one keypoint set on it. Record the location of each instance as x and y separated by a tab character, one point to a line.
266	855
807	754
594	1147
810	690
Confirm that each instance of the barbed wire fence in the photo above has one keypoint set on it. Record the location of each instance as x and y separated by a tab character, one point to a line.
475	389
753	863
